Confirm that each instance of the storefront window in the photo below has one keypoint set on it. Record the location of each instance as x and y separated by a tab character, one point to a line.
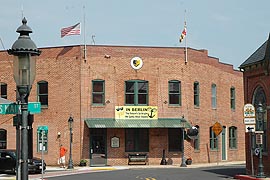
137	140
175	139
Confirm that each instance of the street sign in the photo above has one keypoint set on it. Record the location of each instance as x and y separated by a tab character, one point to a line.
10	108
250	128
249	114
34	107
13	108
217	128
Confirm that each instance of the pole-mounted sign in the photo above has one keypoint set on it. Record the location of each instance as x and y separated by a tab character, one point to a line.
249	114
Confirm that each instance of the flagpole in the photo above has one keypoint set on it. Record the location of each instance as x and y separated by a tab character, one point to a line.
186	46
84	33
185	39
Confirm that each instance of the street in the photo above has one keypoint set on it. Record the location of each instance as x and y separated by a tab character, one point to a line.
209	173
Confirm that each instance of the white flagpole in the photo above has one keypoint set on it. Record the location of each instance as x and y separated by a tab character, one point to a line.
84	33
185	39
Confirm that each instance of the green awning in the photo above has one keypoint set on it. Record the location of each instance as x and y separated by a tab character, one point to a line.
140	123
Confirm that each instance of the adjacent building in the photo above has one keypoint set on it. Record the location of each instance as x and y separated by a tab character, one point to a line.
131	99
256	91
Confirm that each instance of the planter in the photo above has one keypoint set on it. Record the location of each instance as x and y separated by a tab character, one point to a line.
82	164
188	162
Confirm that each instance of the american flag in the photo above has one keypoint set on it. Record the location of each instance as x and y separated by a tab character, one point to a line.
72	30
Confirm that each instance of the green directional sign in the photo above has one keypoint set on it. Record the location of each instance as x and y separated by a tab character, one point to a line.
12	108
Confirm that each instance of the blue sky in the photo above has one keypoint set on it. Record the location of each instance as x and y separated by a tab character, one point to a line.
230	30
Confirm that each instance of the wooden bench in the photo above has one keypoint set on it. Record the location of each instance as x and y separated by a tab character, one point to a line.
137	159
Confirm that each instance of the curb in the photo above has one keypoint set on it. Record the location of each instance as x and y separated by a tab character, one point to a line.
246	177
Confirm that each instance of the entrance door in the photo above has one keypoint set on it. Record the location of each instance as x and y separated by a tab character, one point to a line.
98	155
224	157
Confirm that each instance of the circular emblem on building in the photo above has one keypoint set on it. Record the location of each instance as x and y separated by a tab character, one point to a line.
136	63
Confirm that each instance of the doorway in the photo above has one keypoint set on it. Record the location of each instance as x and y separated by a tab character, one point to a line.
224	149
98	148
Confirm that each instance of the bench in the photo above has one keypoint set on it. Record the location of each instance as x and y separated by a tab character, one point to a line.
137	159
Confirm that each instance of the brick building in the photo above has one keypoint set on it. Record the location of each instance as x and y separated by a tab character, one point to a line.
256	90
131	99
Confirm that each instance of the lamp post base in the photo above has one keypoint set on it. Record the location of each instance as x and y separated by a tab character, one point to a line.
70	165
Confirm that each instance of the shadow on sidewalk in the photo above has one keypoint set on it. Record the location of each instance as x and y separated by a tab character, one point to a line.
226	172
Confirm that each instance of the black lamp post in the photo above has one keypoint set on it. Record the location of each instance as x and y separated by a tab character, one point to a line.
24	64
260	120
70	125
183	122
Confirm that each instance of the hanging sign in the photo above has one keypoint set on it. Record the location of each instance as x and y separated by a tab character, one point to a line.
249	114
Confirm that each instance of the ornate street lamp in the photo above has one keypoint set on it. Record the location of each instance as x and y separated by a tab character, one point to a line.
24	64
260	120
183	122
70	125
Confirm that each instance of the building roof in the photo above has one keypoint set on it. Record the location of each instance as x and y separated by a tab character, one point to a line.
258	55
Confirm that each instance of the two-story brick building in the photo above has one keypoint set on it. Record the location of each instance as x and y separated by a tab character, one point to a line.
131	99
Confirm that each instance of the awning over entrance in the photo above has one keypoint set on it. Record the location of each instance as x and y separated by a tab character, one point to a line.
140	123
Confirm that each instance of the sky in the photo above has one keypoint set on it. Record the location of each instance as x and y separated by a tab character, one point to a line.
231	30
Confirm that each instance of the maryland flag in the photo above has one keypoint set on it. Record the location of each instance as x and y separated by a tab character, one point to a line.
183	35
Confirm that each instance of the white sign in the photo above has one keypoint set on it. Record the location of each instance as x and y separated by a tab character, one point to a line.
250	128
249	114
136	63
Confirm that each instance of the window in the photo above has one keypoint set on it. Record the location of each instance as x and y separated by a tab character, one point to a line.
214	96
260	97
43	93
196	87
175	139
3	139
137	140
136	92
175	92
3	90
232	137
196	140
232	98
213	139
98	92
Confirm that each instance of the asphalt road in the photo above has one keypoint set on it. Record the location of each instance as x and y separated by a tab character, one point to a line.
207	173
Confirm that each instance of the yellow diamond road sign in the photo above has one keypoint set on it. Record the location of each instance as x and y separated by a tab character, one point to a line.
217	128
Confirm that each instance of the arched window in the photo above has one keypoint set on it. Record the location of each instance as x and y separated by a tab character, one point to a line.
214	96
196	88
233	137
3	139
213	139
232	92
260	97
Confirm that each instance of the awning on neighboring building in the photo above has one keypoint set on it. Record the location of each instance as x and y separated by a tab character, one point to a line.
140	123
5	101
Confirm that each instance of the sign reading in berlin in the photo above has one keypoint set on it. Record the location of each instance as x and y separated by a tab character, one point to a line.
136	112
